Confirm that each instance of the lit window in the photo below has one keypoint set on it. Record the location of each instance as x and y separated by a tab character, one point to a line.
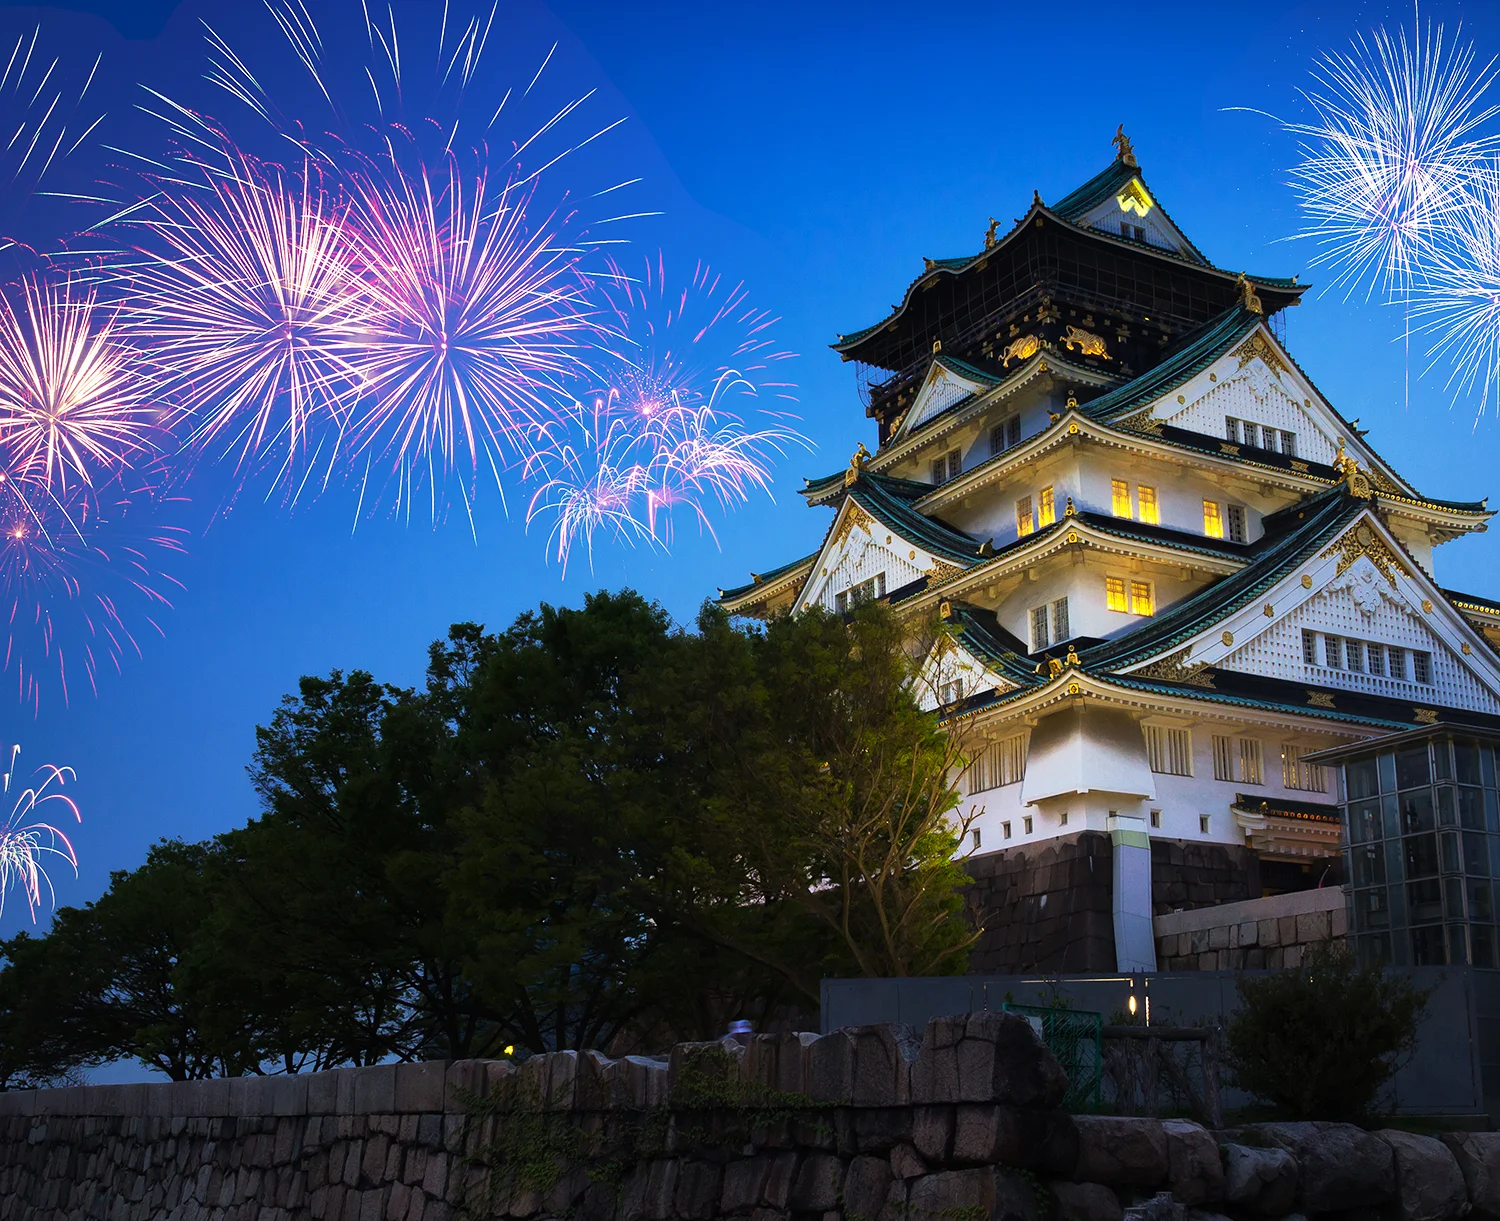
1060	630
1005	830
1145	499
1121	491
1169	750
1236	524
1039	638
1203	824
1141	602
1421	667
1026	824
1296	774
1046	508
1114	594
1025	524
1213	522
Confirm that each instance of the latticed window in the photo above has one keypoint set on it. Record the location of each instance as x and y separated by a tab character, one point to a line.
1421	667
1289	444
1237	759
1297	774
1060	631
1120	491
997	764
1236	523
1223	759
1213	521
1354	656
1141	601
1170	750
1333	652
1145	500
1025	523
1039	638
1375	658
1046	508
1395	661
1114	594
1250	771
1309	647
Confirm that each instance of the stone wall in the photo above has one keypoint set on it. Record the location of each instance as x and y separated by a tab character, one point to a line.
1186	875
870	1123
1044	907
1260	934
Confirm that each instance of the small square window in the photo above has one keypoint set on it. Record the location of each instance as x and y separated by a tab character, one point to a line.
976	839
1114	594
1145	499
1120	495
1156	819
1236	524
1063	820
1005	830
1026	824
1203	824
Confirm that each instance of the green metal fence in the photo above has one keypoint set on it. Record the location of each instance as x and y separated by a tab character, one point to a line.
1075	1037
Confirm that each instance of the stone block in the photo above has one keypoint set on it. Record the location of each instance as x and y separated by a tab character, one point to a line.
164	1098
695	1069
780	1174
831	1067
1195	1171
1120	1151
289	1094
640	1082
1286	927
117	1100
1248	934
463	1081
1084	1202
744	1181
1313	926
1478	1157
907	1163
986	1057
1268	932
1338	922
1208	960
1262	1181
952	1193
882	1064
879	1129
1340	1166
420	1087
866	1187
595	1084
1218	937
374	1090
1429	1184
819	1183
932	1132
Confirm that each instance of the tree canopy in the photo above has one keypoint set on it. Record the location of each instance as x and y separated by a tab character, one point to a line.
591	829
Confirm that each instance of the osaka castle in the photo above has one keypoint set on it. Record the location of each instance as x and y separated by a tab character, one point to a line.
1167	571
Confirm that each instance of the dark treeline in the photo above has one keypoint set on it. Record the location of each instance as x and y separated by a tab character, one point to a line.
590	830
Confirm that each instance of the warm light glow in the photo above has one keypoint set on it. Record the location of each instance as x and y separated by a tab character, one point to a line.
1145	499
1121	498
1213	519
1114	594
1134	198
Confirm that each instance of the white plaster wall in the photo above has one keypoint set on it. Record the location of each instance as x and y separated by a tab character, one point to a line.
1084	750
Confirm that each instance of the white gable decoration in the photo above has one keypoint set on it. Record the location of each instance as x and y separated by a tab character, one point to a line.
1133	214
952	672
861	549
940	390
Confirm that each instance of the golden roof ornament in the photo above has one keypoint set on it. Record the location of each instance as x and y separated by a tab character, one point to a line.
1348	469
937	346
1072	657
1070	511
989	234
1247	295
1125	150
856	465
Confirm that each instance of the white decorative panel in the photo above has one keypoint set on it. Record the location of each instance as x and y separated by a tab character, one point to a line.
1361	605
1256	394
860	558
1107	218
941	391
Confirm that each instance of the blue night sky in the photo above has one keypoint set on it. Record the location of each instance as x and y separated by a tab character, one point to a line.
816	150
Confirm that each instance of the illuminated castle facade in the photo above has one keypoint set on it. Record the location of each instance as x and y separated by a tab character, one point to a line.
1169	568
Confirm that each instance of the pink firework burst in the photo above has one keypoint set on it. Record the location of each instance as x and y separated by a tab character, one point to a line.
73	405
27	839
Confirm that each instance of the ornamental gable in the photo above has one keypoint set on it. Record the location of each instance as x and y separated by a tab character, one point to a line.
953	672
1133	214
864	559
941	389
1254	385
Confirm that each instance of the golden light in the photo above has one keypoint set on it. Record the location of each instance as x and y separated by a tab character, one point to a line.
1135	198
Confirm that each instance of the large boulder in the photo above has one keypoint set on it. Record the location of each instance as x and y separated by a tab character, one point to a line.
1121	1151
989	1135
1429	1184
1478	1156
1085	1202
993	1193
986	1057
866	1186
1195	1170
1341	1166
1260	1181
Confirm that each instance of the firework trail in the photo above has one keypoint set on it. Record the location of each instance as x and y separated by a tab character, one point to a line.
26	841
1394	140
72	405
76	572
668	430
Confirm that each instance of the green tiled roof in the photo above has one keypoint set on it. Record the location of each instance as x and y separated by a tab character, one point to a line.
1190	357
890	500
982	635
765	577
1163	536
1287	543
964	369
1475	599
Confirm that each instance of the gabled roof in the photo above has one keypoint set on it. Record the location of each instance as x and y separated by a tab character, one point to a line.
1291	535
1107	185
765	578
890	501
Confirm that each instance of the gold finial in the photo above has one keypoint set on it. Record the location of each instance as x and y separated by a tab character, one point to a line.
1054	667
1036	199
946	610
856	465
1348	469
1072	400
1126	151
989	234
1070	511
1072	657
937	345
1247	295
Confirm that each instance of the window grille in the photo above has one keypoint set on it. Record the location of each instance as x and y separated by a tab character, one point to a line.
1121	496
1237	759
1250	761
1232	429
1213	522
1236	524
1114	594
1421	667
997	440
1289	443
1039	638
1300	775
1024	522
1170	750
955	464
1354	656
1046	508
1223	759
1141	601
1013	431
1145	499
1309	647
1060	630
1333	653
1396	661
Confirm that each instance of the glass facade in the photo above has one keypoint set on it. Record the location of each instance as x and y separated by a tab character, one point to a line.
1423	844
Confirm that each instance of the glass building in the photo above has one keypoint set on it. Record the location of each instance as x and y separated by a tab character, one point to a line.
1422	832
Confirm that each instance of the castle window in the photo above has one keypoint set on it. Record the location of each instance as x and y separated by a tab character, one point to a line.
1421	667
1213	520
1395	661
1203	824
1295	774
1141	600
1039	636
1046	508
1060	630
1333	653
948	467
1237	759
1223	759
1005	434
1121	495
1156	819
1232	429
1026	824
1376	656
1025	524
1268	439
976	839
1252	434
1145	499
997	764
1170	750
1250	761
1114	594
1309	647
1136	233
1236	523
1354	656
1289	443
1005	830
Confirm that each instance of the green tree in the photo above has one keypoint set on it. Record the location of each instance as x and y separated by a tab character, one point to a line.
1320	1042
